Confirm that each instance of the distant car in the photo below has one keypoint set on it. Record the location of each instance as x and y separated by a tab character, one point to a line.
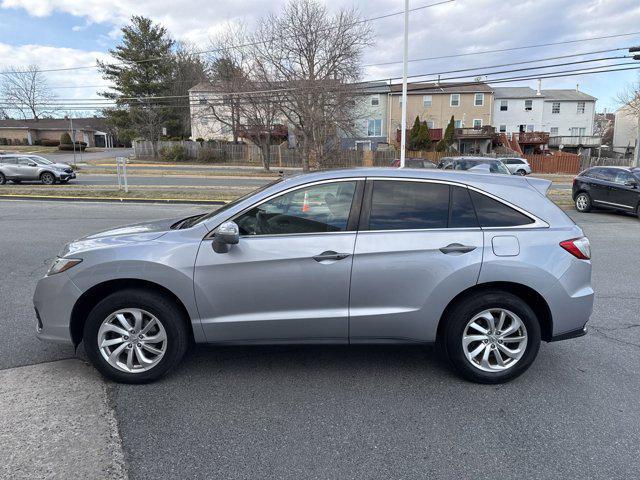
18	168
517	166
467	163
614	188
414	163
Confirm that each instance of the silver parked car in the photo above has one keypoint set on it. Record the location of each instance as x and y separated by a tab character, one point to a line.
493	165
484	265
18	168
517	166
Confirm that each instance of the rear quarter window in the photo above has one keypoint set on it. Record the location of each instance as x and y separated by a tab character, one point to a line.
492	213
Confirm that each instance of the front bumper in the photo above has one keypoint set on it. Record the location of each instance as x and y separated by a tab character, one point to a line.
67	176
53	300
580	332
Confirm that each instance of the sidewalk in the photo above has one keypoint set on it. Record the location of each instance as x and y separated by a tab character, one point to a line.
55	422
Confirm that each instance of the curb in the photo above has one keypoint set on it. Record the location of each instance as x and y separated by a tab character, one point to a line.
176	201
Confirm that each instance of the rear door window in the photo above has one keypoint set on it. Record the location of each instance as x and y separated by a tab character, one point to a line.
400	205
462	213
492	213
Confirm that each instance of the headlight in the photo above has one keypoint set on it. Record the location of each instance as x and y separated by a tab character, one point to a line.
59	265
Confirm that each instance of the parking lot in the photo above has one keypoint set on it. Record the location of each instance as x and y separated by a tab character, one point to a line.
356	412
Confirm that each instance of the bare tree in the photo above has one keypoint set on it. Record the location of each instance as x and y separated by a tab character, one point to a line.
3	114
188	71
25	90
629	98
312	58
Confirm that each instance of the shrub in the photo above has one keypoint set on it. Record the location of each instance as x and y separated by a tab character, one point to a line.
200	140
211	155
79	146
174	153
3	141
49	143
65	139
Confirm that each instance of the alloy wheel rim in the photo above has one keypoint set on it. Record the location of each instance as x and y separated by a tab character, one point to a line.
581	202
494	340
132	340
47	179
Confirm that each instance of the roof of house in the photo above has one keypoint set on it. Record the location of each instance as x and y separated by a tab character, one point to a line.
420	88
548	95
90	123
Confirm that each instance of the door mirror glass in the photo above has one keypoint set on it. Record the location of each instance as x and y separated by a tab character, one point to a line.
225	235
631	183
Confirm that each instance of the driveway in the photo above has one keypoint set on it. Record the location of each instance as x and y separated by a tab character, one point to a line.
375	412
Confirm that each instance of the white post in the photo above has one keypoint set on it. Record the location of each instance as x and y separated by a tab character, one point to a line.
118	172
73	141
405	54
124	170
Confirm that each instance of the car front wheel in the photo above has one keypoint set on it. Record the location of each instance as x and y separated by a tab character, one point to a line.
583	202
492	337
521	172
3	179
47	178
135	336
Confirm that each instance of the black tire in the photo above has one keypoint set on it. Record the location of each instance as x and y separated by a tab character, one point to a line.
48	178
521	172
3	179
165	310
63	181
465	310
588	203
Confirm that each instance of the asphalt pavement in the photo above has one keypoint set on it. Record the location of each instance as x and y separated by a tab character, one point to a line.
357	412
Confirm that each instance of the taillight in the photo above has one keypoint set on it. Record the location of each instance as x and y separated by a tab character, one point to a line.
578	247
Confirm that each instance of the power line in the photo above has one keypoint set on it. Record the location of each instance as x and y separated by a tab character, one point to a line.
250	44
511	49
415	86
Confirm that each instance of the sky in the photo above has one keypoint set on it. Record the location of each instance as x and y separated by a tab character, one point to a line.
66	33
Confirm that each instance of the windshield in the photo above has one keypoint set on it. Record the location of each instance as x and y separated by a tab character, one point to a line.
40	160
229	205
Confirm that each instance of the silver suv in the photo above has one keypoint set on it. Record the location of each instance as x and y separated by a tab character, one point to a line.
484	265
18	168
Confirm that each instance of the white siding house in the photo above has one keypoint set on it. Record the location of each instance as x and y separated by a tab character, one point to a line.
370	127
561	113
625	131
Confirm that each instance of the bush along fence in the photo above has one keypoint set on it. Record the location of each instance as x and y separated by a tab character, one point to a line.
282	156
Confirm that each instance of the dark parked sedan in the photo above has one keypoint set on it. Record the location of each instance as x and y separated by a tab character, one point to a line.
608	187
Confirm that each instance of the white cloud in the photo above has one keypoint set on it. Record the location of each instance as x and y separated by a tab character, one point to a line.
460	27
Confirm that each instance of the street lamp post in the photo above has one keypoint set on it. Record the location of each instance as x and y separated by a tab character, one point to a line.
405	54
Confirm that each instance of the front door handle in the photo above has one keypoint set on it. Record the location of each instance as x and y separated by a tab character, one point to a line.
330	255
457	248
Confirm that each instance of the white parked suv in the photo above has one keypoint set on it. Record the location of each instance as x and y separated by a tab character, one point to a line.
517	166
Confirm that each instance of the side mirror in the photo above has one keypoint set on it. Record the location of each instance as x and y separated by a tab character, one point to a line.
631	184
225	235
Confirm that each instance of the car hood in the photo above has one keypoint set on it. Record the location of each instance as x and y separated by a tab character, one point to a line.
142	232
59	166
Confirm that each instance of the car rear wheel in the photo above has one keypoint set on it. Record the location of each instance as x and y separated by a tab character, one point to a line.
135	336
47	178
583	202
3	179
521	172
492	337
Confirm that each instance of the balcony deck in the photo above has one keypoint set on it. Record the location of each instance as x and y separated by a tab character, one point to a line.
588	141
470	133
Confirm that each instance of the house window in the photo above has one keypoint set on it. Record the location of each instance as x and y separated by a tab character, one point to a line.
555	107
504	105
578	131
554	131
375	100
503	128
374	128
528	105
477	123
426	100
431	124
529	128
457	124
202	100
454	101
581	106
479	100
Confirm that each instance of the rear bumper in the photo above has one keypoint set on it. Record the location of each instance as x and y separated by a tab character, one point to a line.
53	300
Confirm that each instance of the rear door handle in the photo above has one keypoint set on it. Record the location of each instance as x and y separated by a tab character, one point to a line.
330	255
457	248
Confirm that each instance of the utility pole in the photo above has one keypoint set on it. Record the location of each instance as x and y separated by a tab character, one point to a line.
405	54
636	152
73	141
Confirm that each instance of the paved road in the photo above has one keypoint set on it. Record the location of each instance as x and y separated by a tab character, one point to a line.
358	412
67	157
